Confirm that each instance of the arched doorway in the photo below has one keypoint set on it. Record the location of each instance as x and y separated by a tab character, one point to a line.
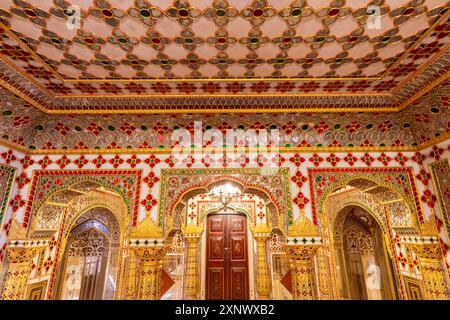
90	260
366	270
227	256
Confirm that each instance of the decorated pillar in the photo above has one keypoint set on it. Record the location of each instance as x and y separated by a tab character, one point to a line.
301	246
303	271
191	282
130	290
149	271
431	269
263	280
19	269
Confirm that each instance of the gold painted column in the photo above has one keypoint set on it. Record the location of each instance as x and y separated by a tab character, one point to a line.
149	272
432	272
191	282
130	290
19	269
302	269
263	280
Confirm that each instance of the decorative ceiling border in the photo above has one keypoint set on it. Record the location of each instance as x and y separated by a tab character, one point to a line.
439	72
419	147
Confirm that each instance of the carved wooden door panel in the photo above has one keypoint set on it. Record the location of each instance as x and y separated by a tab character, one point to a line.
227	263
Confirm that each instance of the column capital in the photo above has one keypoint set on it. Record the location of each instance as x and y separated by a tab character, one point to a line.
21	254
298	251
426	251
150	253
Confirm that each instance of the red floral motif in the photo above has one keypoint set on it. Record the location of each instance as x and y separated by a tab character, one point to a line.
170	161
19	121
350	159
367	159
161	88
261	160
223	127
99	161
81	145
110	88
113	145
418	157
26	162
309	86
425	117
127	128
400	158
151	179
160	128
385	126
135	88
63	162
429	198
9	156
48	145
149	202
436	152
278	160
289	127
299	179
211	87
423	176
285	86
44	162
297	160
353	127
22	180
94	128
257	126
301	201
384	159
186	87
133	161
242	160
235	87
17	202
61	128
367	143
152	161
81	162
116	161
260	87
321	127
333	159
335	143
316	159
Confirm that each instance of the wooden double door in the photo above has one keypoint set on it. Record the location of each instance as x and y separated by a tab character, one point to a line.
226	257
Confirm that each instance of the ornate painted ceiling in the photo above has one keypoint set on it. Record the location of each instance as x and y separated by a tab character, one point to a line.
162	56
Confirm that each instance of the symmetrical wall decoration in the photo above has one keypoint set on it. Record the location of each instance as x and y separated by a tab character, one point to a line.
386	176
